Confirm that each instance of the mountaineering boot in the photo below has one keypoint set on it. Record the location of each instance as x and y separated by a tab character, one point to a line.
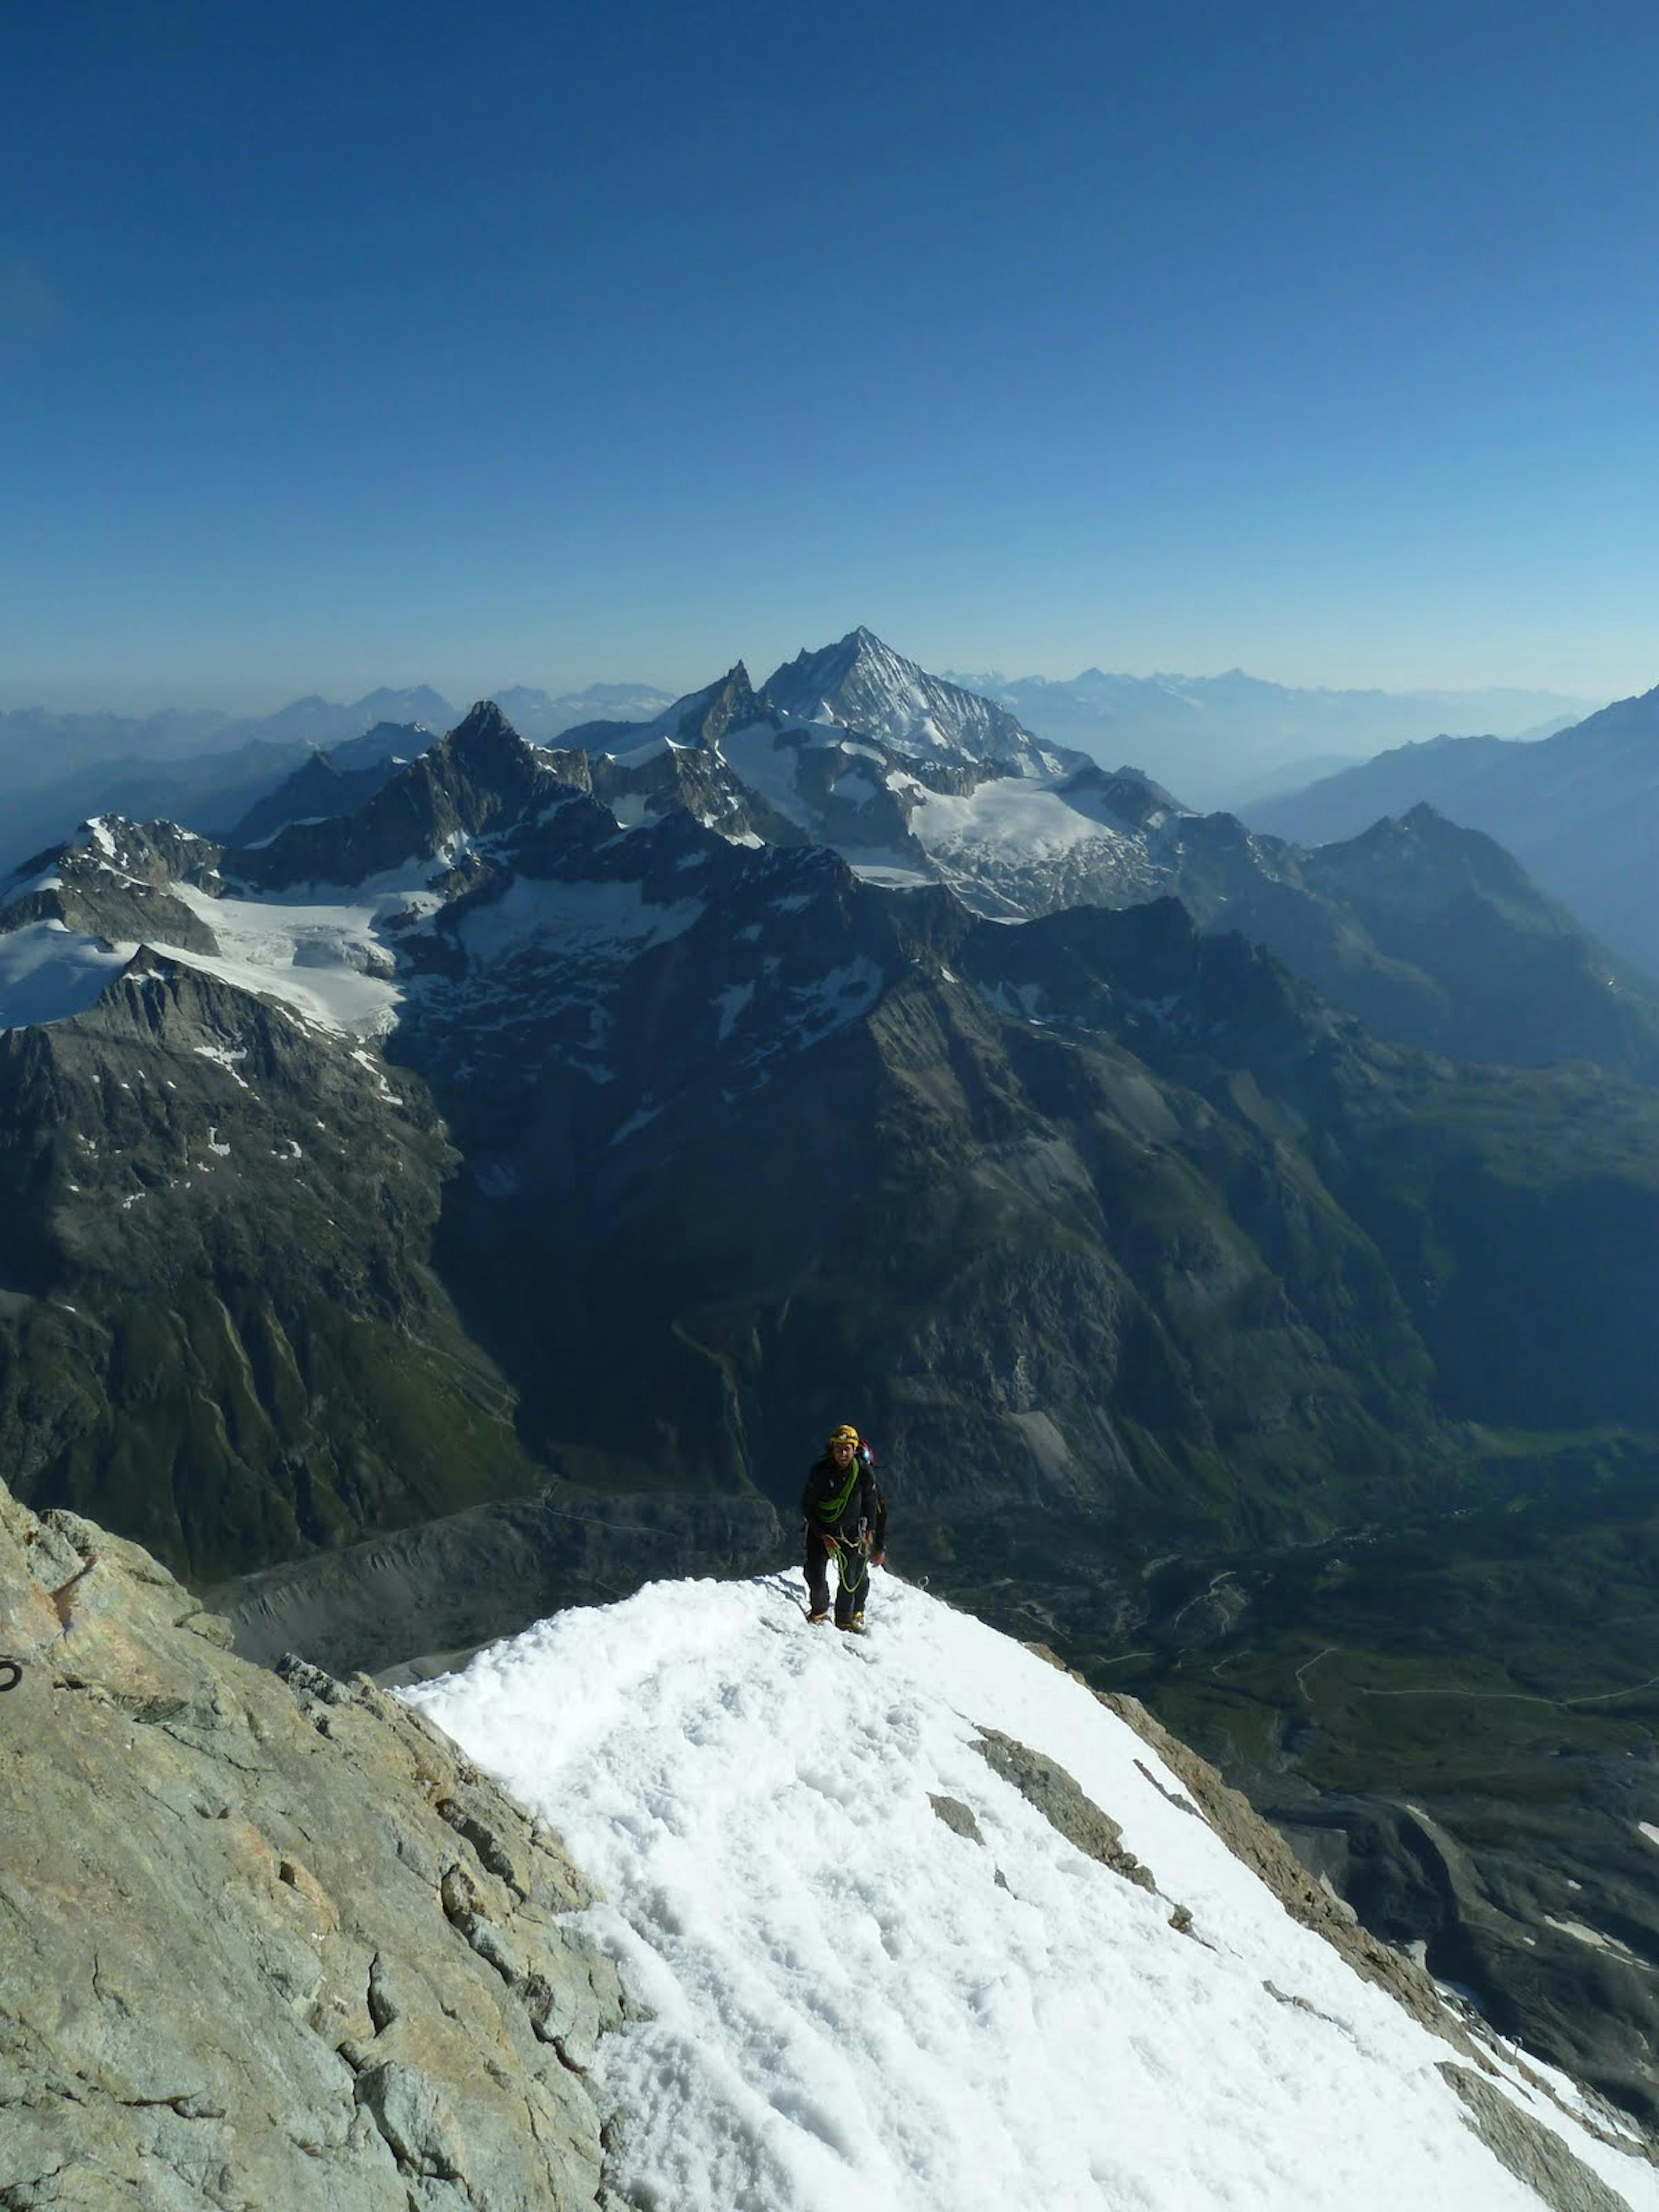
816	1619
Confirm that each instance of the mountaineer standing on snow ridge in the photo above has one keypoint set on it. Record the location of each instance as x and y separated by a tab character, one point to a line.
846	1518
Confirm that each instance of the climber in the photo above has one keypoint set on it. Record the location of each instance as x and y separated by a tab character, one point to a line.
846	1520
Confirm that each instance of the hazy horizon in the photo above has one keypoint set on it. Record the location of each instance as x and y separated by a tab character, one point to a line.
253	702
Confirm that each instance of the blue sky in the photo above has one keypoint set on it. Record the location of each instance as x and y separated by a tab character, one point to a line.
365	343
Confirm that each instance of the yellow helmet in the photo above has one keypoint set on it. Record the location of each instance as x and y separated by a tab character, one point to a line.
844	1435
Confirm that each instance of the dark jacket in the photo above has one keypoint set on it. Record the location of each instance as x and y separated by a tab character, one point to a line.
864	1509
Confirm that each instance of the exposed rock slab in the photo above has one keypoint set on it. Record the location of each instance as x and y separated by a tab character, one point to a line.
1062	1802
1530	2151
271	1944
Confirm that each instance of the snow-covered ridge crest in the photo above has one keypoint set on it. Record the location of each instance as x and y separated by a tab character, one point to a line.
880	1971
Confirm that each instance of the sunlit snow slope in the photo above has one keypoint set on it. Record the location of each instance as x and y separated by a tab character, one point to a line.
856	2004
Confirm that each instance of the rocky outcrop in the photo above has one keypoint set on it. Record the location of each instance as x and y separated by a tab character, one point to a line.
117	882
326	786
270	1942
1057	1795
1530	2151
480	777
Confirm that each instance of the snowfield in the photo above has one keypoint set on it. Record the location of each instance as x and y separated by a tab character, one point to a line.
854	2003
326	961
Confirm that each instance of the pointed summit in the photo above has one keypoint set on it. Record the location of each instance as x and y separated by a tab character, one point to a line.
488	753
815	680
861	684
483	725
483	775
704	717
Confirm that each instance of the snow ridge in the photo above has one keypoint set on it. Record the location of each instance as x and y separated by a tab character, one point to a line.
877	1974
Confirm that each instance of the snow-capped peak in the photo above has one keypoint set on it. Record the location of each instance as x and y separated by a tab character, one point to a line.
863	686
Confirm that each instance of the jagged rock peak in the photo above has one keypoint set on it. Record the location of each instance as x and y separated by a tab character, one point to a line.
729	704
486	748
484	724
1421	828
1428	821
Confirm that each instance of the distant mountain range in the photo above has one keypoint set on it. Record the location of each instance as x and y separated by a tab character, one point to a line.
208	768
486	1113
1431	934
1223	740
1580	811
601	964
38	746
1219	741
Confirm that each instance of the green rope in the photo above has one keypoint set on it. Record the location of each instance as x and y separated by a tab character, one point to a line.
847	1557
832	1508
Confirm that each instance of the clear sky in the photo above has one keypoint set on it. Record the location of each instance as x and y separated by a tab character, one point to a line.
377	341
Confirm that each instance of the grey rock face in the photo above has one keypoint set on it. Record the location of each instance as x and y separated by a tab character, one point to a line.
956	1816
340	781
269	1944
481	775
117	883
1531	2153
1061	1803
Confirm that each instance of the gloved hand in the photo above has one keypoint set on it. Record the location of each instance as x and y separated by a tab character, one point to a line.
878	1558
827	1542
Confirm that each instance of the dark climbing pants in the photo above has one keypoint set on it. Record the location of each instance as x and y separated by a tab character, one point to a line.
853	1581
